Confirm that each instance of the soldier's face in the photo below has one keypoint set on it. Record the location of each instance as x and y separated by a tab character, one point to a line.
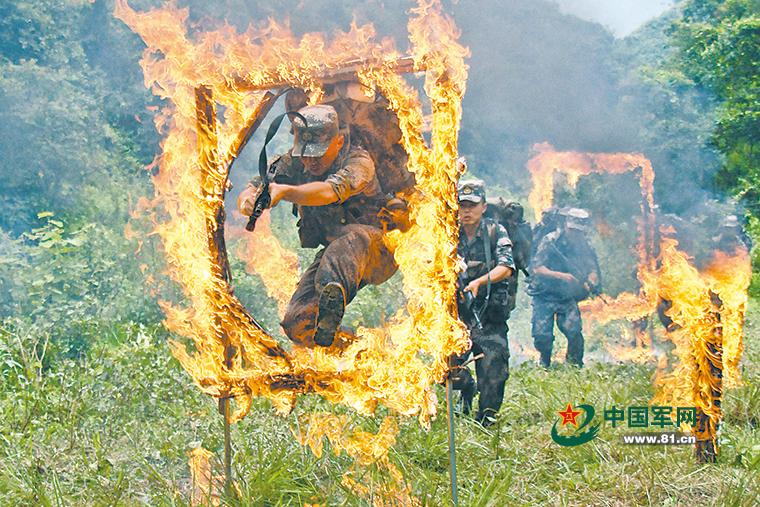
470	212
316	166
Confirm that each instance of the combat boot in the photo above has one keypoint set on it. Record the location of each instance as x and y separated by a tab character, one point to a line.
332	305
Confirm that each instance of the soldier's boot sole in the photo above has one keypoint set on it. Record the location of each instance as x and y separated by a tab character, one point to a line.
332	305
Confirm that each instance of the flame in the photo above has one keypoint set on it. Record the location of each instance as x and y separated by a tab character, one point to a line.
365	448
573	165
707	307
395	365
206	486
696	340
266	257
728	276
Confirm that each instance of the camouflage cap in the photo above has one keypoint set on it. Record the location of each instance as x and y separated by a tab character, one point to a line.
312	139
575	218
472	190
731	222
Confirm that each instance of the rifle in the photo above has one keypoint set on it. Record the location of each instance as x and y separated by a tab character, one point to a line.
263	197
262	202
593	289
466	295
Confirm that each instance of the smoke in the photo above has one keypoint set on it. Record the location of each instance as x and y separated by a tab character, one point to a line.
621	17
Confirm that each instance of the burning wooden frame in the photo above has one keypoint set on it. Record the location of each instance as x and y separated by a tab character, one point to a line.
707	331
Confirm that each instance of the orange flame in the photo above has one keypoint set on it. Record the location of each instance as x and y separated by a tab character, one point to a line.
707	307
206	487
266	257
543	166
366	449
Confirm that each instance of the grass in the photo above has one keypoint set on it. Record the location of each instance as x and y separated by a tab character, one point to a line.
114	428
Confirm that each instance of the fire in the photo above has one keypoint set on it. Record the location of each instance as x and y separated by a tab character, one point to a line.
266	257
707	306
695	379
365	448
542	167
206	487
729	276
395	365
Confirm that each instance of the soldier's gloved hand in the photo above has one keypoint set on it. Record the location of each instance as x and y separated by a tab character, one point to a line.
246	200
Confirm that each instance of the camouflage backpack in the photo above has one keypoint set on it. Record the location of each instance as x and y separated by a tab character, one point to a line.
511	216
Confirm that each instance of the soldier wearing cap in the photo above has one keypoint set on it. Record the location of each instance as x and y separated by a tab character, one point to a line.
337	197
486	251
564	271
731	236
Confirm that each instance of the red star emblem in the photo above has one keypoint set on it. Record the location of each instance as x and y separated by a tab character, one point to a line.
568	416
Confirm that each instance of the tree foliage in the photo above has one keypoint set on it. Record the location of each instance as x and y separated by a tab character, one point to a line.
718	48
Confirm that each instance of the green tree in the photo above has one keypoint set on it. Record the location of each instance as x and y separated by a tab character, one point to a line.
719	49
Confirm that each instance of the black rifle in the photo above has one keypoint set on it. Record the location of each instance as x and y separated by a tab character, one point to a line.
263	197
468	298
593	289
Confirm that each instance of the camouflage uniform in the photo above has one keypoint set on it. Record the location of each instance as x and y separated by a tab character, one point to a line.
349	230
491	304
564	252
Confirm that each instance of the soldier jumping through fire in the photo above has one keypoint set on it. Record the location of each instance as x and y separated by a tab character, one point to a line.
334	188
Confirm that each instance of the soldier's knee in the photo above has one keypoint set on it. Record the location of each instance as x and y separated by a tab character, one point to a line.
543	340
298	325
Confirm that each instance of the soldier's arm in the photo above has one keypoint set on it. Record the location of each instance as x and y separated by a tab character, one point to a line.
558	275
315	193
283	169
540	261
354	177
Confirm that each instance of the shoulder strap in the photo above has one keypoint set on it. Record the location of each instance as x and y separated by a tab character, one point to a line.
487	247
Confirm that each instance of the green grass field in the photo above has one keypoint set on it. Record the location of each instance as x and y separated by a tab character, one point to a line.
115	427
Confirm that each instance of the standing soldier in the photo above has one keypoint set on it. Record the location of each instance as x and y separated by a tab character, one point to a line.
486	251
564	271
335	191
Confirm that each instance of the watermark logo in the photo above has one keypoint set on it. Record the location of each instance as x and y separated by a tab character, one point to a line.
582	433
642	417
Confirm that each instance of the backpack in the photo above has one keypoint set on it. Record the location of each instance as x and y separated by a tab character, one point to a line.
511	216
372	125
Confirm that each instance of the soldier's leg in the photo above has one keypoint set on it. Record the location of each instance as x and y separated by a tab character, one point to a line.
351	261
569	322
492	371
301	313
542	329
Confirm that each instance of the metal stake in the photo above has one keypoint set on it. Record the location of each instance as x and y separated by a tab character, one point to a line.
225	409
452	441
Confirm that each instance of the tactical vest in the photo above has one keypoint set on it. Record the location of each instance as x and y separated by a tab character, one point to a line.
317	224
492	303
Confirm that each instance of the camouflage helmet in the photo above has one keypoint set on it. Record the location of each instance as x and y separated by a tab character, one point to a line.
313	139
731	222
575	218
